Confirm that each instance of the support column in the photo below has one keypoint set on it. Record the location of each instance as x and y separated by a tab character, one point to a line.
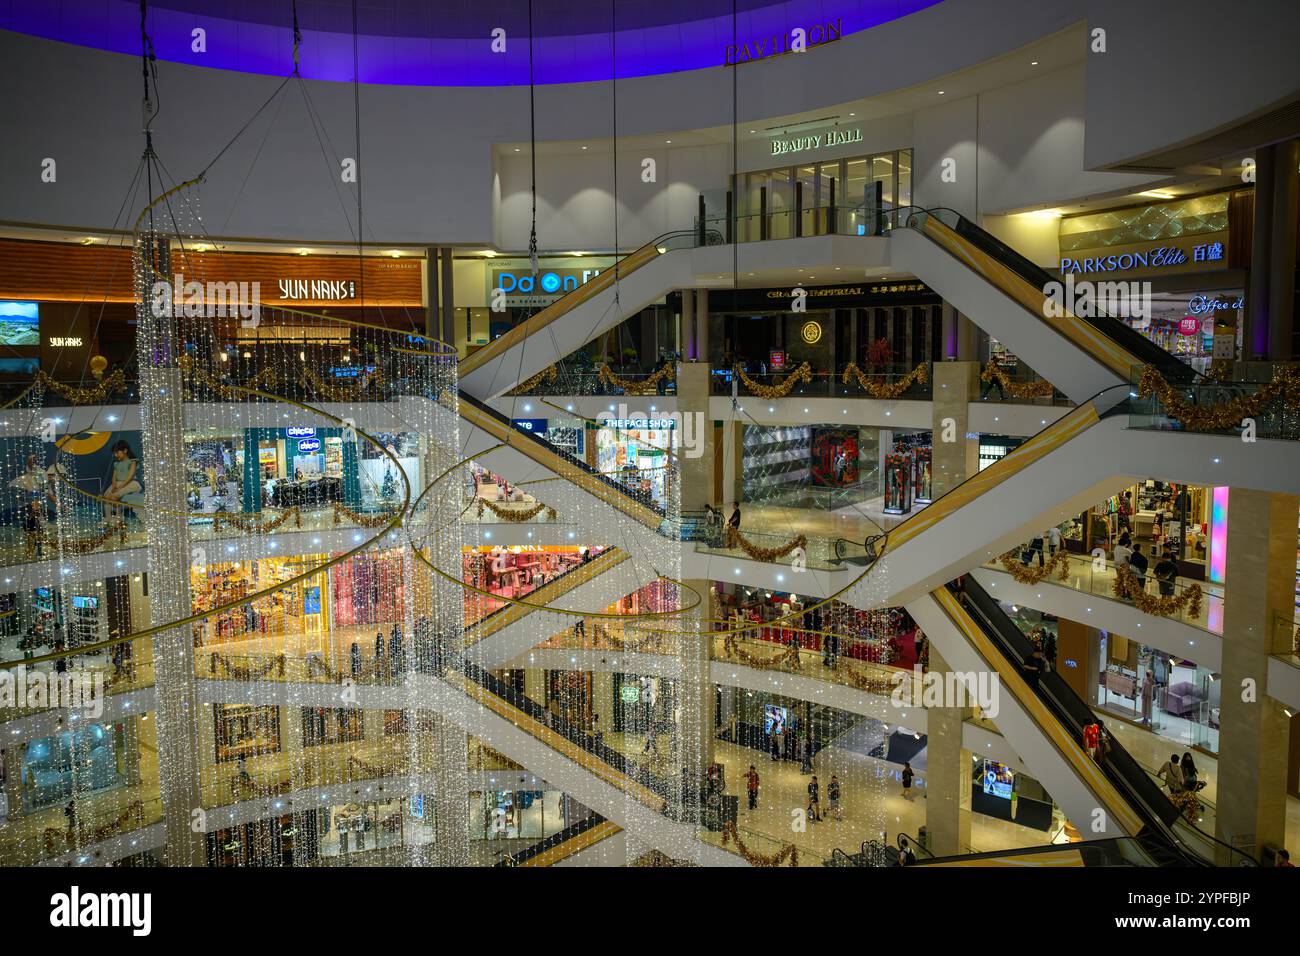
956	385
1253	732
696	693
733	458
701	324
159	346
451	810
430	288
948	776
448	290
693	404
1282	251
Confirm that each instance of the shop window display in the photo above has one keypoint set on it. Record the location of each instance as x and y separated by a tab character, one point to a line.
70	764
214	471
381	482
514	572
898	483
332	725
834	457
245	731
516	814
1171	696
638	457
296	610
368	589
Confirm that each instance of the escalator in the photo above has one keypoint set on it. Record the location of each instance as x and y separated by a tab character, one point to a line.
524	351
981	276
498	427
565	845
1118	851
1120	786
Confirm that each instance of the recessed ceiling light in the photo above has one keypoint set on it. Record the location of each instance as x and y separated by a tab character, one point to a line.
584	147
1033	63
941	92
853	114
668	141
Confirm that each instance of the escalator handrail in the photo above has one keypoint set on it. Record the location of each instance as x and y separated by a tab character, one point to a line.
1144	795
1142	349
526	608
564	303
570	832
584	741
588	470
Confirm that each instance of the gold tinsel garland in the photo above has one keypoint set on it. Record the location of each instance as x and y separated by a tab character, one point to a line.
370	771
360	518
547	374
1285	386
734	539
74	546
787	852
870	685
994	374
643	386
256	522
53	836
506	514
1188	803
801	374
1125	586
240	672
789	655
265	380
879	388
1060	562
89	395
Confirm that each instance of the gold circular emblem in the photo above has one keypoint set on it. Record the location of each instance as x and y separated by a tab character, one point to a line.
811	332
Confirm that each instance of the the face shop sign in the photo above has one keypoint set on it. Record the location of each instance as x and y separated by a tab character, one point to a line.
824	140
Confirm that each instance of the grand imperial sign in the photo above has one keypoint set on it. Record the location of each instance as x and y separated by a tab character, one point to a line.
778	44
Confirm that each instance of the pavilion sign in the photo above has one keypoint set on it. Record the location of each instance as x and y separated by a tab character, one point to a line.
779	44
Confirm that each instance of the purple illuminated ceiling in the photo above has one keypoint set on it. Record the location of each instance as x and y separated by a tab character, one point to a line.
447	42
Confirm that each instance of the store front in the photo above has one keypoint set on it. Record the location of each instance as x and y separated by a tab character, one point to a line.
513	572
636	452
214	473
881	326
1172	697
1157	514
1190	254
516	814
375	825
300	467
815	197
800	466
74	763
298	612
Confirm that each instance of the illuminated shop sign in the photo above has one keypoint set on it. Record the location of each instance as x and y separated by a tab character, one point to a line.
317	289
65	341
804	144
308	445
661	424
550	282
1202	304
778	44
300	432
536	426
1152	257
811	332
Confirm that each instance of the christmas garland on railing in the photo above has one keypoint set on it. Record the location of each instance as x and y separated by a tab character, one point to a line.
640	386
995	374
359	518
787	852
75	546
870	685
1229	414
801	374
1126	587
789	655
1188	803
370	771
265	380
518	517
88	395
256	522
879	388
240	672
734	539
548	374
133	811
317	666
1059	562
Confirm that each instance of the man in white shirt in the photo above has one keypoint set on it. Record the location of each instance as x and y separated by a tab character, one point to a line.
1122	554
1053	539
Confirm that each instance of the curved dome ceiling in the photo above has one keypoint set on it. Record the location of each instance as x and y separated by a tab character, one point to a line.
448	42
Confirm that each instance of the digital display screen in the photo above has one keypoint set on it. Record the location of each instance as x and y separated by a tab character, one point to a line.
775	718
20	323
998	779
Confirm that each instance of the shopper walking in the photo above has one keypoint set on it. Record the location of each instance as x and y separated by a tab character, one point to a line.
751	787
355	656
734	521
908	777
1166	572
1188	767
1053	539
778	744
833	795
1123	550
814	801
1138	562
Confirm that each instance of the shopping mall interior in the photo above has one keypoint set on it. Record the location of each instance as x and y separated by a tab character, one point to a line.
626	434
